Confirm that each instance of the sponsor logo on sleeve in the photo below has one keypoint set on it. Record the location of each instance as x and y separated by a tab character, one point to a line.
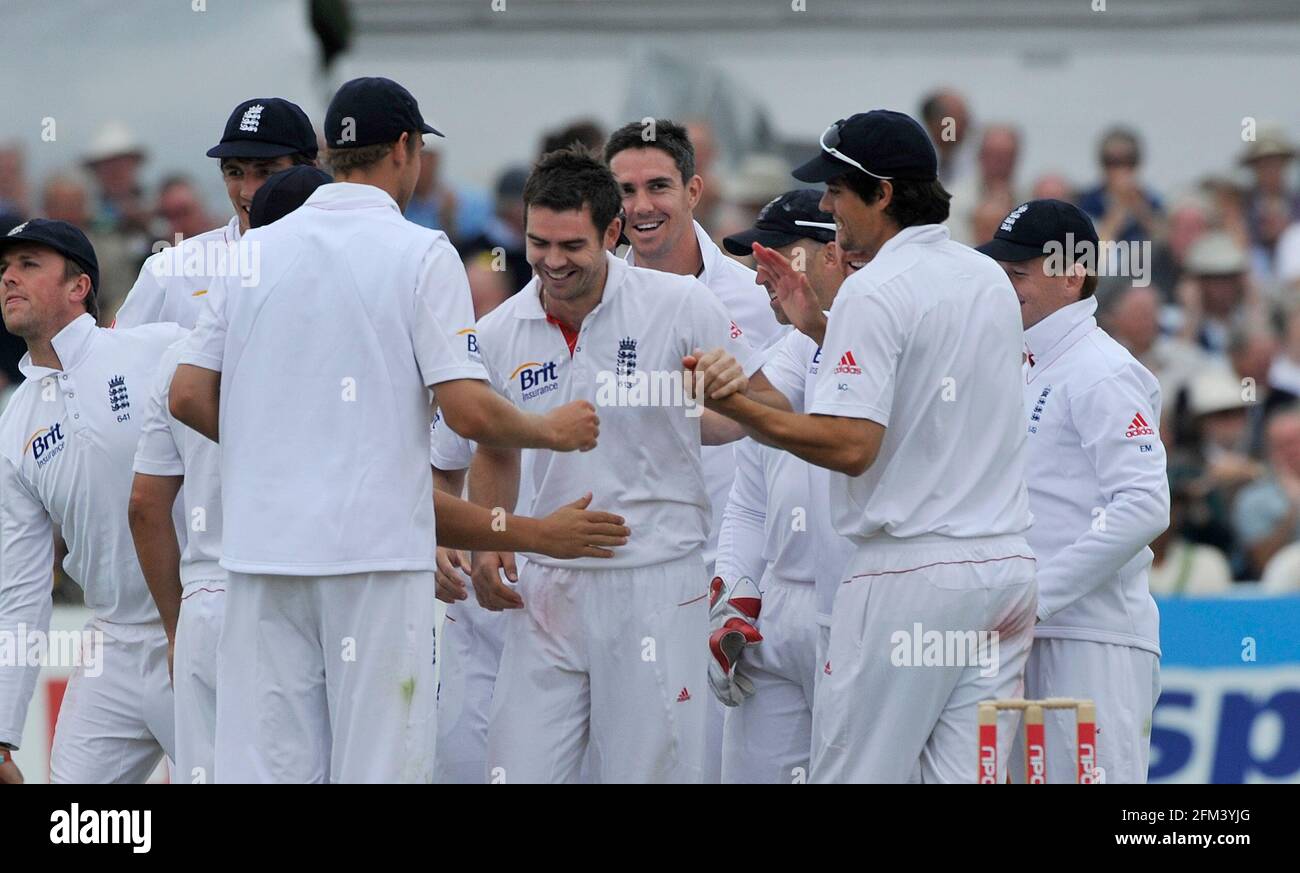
45	444
848	364
536	378
1138	427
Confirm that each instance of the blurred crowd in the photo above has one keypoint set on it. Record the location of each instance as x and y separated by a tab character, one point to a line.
1209	301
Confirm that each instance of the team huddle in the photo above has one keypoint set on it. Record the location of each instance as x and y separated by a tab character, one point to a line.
693	522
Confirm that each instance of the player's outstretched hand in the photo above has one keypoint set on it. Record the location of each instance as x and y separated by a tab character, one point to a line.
452	573
492	593
714	375
573	531
573	426
793	290
9	772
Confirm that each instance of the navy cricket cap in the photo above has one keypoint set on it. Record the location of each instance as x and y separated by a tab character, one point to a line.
1026	231
266	127
64	238
283	192
880	143
372	111
789	218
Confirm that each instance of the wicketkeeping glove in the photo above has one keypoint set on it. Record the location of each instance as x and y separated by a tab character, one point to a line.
733	610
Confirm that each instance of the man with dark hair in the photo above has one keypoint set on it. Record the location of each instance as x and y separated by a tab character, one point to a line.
654	163
1122	208
585	132
66	442
355	315
602	655
1098	491
916	411
262	136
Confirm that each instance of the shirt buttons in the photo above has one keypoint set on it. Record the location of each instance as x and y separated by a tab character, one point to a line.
76	415
72	393
577	348
64	377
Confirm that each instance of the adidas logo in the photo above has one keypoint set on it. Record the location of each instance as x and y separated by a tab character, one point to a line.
827	668
252	119
848	364
1138	427
684	696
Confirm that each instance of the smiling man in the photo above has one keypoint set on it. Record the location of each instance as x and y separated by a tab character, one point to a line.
262	136
916	410
606	654
66	443
1099	494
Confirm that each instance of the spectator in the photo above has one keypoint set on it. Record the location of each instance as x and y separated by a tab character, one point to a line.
461	213
759	180
1272	216
1122	208
988	214
1215	293
1211	457
947	119
488	287
1287	261
115	158
1227	200
1284	374
1282	575
709	209
181	208
1266	514
1188	222
1268	158
993	183
1251	351
1132	317
13	181
503	237
64	197
1181	567
585	131
1054	186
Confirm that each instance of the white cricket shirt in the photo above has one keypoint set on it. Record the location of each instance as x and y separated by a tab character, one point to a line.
1097	481
66	442
627	362
169	448
326	365
926	339
751	314
792	368
173	282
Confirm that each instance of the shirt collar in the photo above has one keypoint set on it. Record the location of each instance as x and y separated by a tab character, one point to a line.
1047	340
70	344
350	195
709	253
920	234
530	299
232	230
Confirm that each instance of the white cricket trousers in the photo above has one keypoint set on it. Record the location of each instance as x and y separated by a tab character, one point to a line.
326	679
194	679
471	642
117	719
768	738
614	660
922	630
1122	681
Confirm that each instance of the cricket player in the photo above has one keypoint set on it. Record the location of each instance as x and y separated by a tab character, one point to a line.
774	532
654	164
186	579
315	380
1099	493
66	442
262	136
603	656
915	412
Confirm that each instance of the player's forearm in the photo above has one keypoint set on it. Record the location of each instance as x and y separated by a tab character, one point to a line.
449	481
816	439
21	618
1125	527
473	410
159	554
468	526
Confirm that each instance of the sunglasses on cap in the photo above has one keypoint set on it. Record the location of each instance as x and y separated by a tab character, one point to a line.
831	138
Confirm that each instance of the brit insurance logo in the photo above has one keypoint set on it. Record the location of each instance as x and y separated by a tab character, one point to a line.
536	378
471	341
45	444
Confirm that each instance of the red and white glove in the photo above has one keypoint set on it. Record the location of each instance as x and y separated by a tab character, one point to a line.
733	610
